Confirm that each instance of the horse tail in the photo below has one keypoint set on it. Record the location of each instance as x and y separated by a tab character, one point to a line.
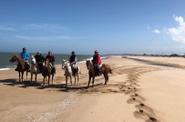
53	70
110	71
79	71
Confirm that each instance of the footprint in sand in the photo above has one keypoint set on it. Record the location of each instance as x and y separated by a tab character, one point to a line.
133	100
138	96
145	107
143	115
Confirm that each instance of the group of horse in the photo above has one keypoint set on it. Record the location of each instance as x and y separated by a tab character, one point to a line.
48	71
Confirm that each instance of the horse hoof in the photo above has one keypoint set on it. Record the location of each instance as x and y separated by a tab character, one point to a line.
141	111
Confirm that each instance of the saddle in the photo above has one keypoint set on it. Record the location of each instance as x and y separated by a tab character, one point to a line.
74	68
97	69
27	66
20	68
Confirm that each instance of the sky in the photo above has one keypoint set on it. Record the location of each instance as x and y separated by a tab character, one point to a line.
110	26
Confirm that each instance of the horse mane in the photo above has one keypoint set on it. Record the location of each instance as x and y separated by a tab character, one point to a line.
18	59
89	64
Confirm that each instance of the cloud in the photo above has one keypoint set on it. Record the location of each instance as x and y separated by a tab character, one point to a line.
6	28
178	33
156	31
43	38
44	27
34	27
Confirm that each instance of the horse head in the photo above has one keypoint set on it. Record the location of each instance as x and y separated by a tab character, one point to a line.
14	58
66	66
63	63
33	60
88	64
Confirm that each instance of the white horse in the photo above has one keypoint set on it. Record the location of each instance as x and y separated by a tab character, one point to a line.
69	73
34	68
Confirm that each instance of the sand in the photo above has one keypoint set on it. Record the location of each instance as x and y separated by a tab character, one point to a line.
141	89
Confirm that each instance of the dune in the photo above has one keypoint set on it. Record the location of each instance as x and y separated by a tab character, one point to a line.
141	89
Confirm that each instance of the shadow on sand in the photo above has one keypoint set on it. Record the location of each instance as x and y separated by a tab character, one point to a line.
81	89
38	85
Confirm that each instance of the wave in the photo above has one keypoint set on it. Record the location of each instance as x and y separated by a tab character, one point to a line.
3	69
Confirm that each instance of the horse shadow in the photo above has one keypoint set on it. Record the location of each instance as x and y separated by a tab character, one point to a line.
80	89
24	84
10	82
38	85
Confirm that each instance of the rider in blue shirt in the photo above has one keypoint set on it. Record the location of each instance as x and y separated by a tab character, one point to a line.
25	55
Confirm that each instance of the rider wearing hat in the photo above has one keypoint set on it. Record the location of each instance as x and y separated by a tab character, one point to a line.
97	61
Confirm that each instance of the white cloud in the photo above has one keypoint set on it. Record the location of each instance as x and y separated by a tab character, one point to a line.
44	27
178	33
43	38
156	31
6	28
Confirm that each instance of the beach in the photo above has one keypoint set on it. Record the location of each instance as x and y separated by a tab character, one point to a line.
140	89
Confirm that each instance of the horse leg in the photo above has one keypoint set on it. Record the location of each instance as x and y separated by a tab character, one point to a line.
71	80
66	80
89	81
93	81
48	79
77	79
22	76
52	78
31	77
106	78
19	76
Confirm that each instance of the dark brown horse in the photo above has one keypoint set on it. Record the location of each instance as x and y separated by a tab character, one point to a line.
106	69
22	66
48	71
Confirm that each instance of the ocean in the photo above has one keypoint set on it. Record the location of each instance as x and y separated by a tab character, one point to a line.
5	64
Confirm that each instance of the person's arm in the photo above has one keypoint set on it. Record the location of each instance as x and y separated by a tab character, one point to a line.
28	56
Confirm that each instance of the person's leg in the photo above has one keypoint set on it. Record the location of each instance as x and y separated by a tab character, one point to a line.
99	69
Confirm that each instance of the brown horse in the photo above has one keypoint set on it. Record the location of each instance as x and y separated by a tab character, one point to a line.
106	69
47	72
22	66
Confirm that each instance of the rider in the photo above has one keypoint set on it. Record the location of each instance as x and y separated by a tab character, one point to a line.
72	61
51	58
25	56
40	60
97	62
